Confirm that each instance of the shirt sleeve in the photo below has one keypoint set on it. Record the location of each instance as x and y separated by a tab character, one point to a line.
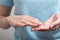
8	3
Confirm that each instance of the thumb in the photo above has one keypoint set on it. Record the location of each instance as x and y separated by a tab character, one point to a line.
56	23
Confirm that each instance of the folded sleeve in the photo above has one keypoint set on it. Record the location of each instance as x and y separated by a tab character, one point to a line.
8	3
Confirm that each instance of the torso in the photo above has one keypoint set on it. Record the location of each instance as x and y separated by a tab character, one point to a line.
41	9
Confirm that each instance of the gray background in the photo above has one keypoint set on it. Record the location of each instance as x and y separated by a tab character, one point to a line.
7	34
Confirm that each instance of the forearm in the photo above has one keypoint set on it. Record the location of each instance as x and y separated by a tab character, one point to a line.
4	13
3	22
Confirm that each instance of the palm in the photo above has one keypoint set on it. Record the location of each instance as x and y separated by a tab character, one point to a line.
49	24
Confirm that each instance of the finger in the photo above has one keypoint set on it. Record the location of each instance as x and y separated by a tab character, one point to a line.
54	28
51	19
41	28
56	23
33	20
34	29
27	23
37	28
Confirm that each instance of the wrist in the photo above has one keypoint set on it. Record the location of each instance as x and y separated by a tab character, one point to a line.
6	19
4	23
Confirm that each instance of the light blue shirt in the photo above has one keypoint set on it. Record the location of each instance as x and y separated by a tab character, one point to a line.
41	9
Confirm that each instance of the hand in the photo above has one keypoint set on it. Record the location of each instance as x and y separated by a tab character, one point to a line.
50	24
56	23
23	20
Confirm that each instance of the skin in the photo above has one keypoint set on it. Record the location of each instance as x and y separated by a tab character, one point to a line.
52	23
4	12
24	20
56	24
16	20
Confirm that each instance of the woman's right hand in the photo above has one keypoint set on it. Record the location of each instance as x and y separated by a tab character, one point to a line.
22	21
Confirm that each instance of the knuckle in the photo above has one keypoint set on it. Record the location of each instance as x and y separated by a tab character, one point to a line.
14	23
22	17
